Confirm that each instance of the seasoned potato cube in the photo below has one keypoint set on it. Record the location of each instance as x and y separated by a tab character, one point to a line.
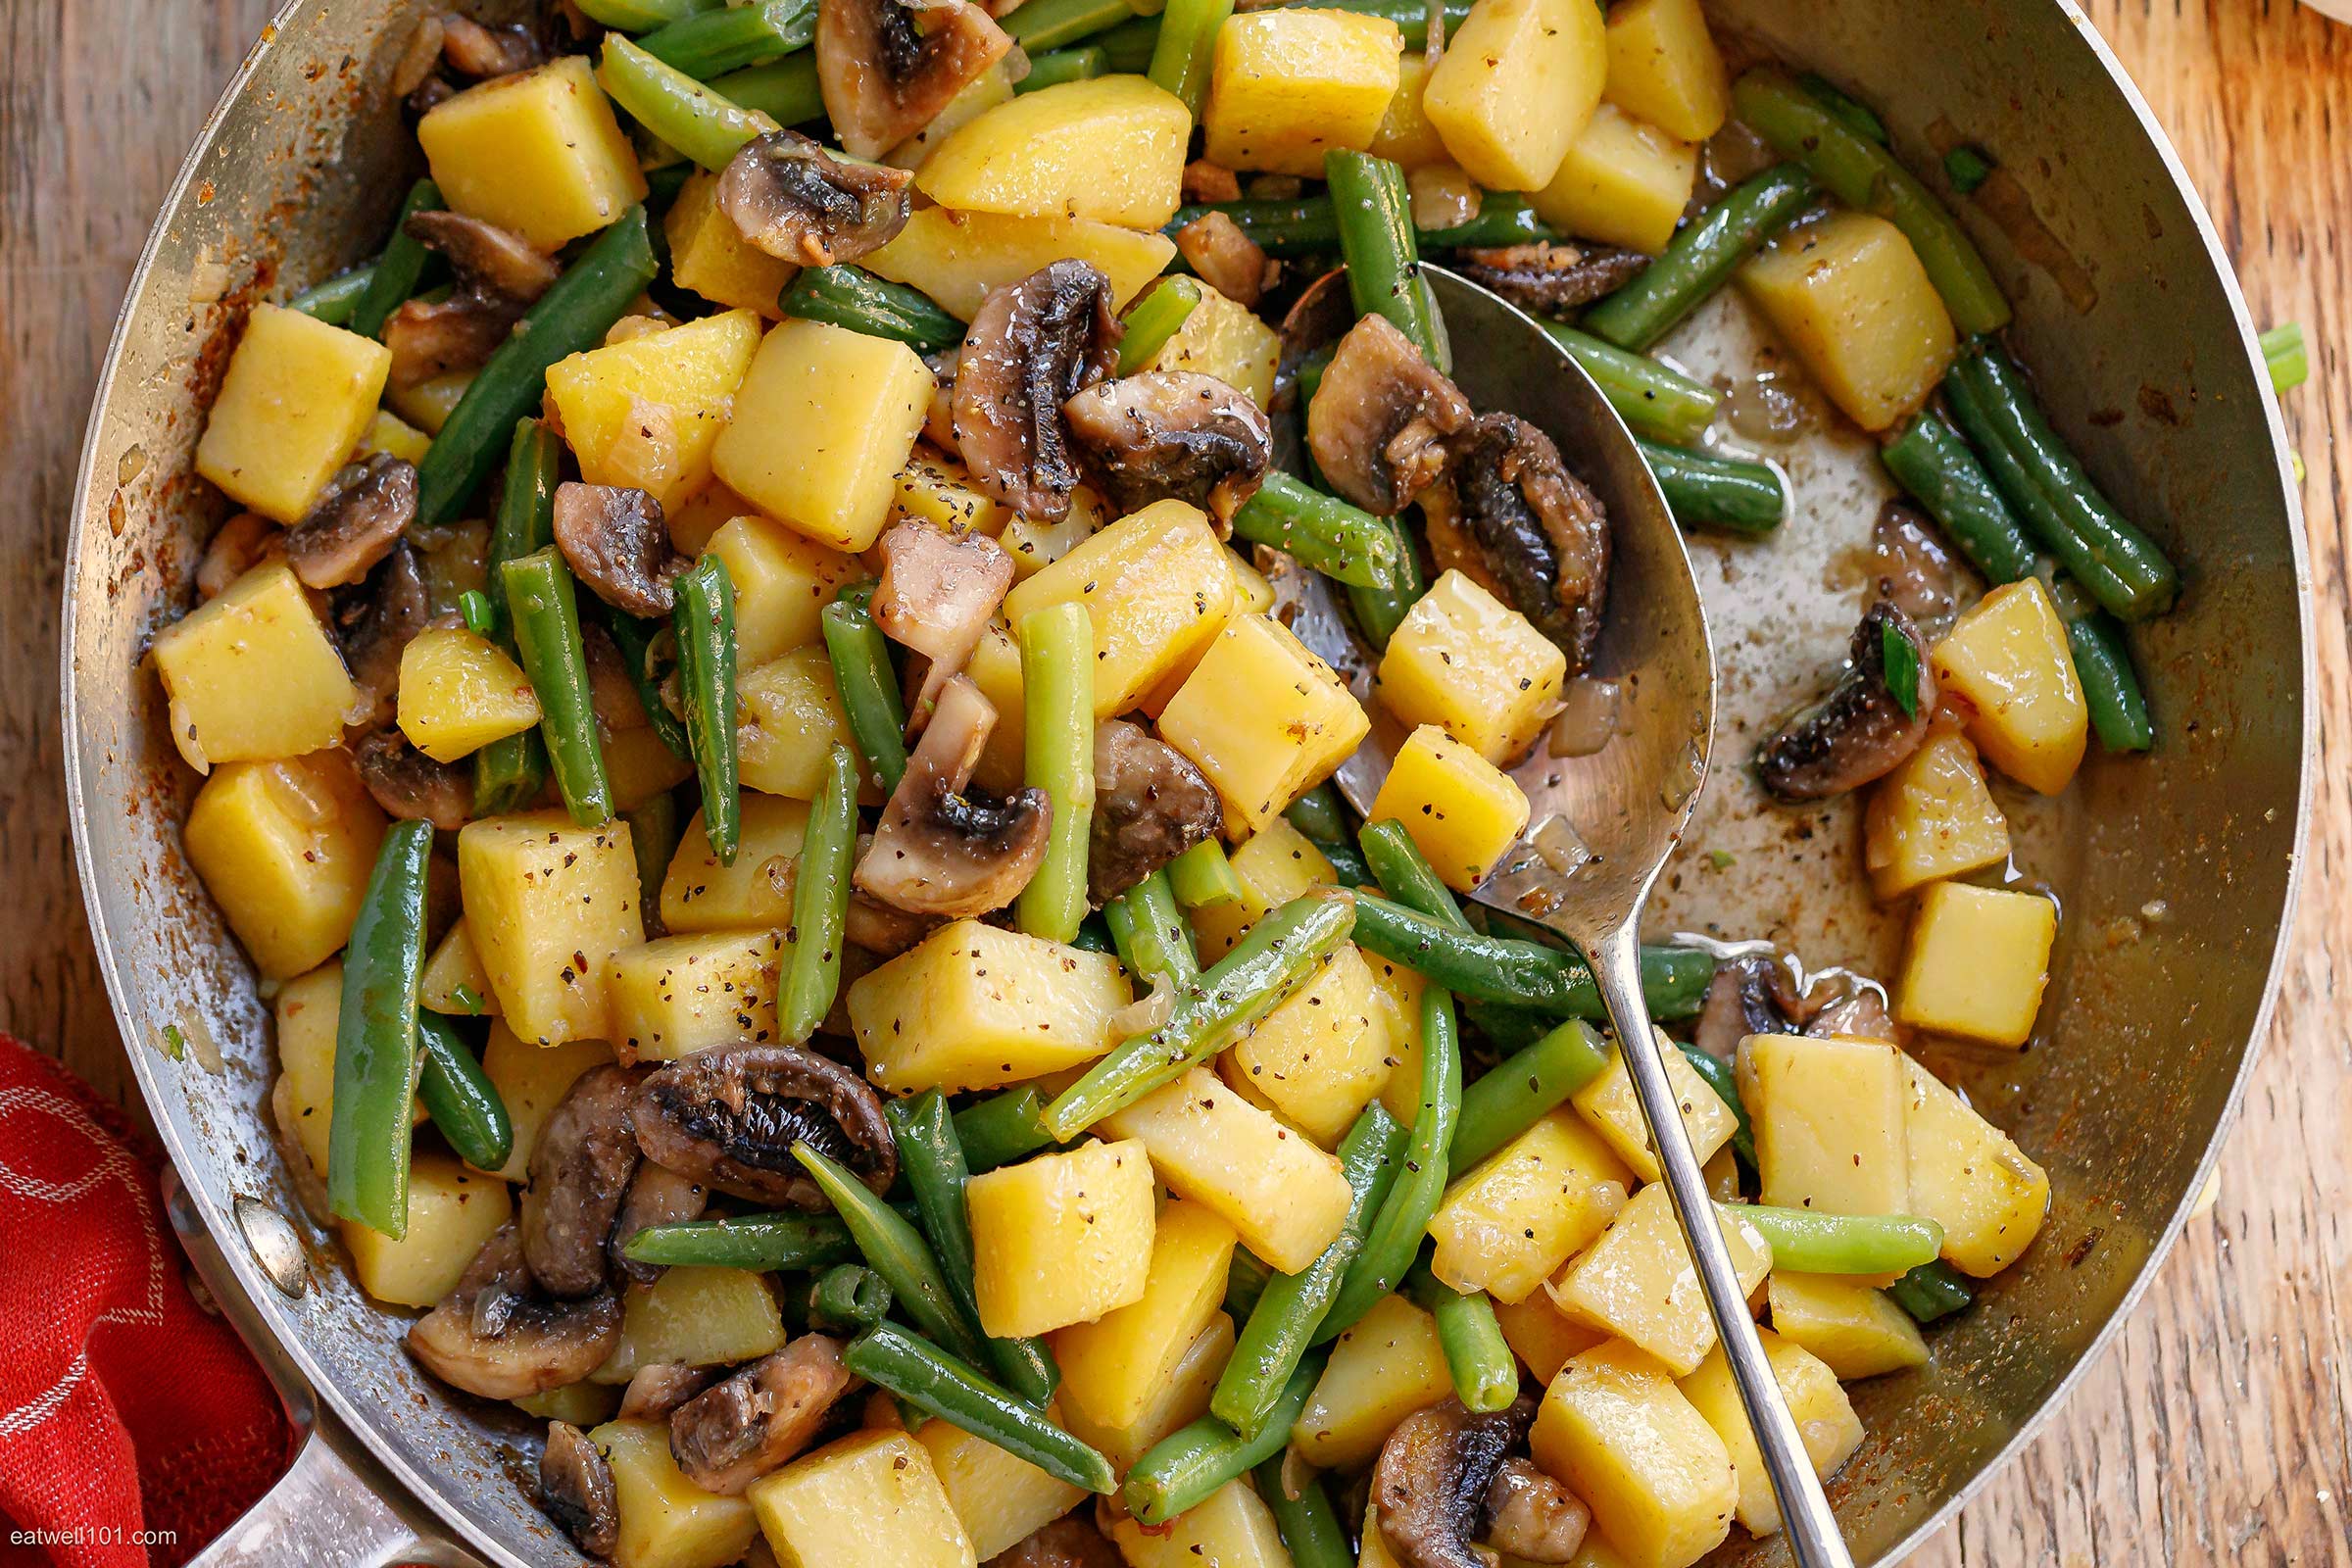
1541	1336
1849	295
1969	1177
1232	1527
451	1212
708	254
1663	68
583	1405
303	1099
1527	1209
1516	85
645	411
638	766
454	981
428	404
1113	1366
871	1500
298	396
974	1007
387	432
1263	717
1609	1105
1278	863
694	520
1930	818
1322	1055
1225	340
1638	1281
2006	664
1977	963
936	489
1061	1238
1857	1330
285	848
822	421
1406	136
699	1316
533	1079
252	675
1382	1368
1472	665
982	93
1177	1401
1617	1431
1461	811
667	1521
1109	150
1288	85
699	894
1400	1000
959	258
1828	1121
1034	546
782	581
680	994
460	692
1825	1419
1622	182
538	152
548	904
790	717
996	668
998	1499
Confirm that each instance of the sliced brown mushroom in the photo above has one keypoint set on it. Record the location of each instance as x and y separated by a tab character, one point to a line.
1750	995
475	50
1550	278
1530	1517
942	849
496	1337
653	1392
239	545
1858	1012
1150	806
1070	1541
1541	532
488	259
615	539
1432	1476
1224	257
1207	181
883	929
410	786
1032	347
740	1429
1911	566
1862	729
731	1115
1383	422
374	621
656	1196
580	1171
789	197
500	274
1172	433
937	594
575	1488
886	69
353	524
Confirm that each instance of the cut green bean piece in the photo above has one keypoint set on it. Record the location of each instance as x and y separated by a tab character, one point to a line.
1058	757
1933	1291
375	1038
1202	878
686	113
655	828
1309	226
1966	167
509	773
1185	50
761	1243
333	301
642	15
1154	319
869	689
1725	1081
547	635
704	618
2285	356
1524	1088
465	1104
1853	113
852	297
1377	243
1344	543
1379	612
894	1250
1058	65
1003	1128
947	1386
820	900
1246	1282
1527	974
843	1299
1401	869
1194	1462
400	271
1706	491
713	42
2111	689
1811	1240
1486	1376
785	90
1040	24
1149	933
1936	469
1308	1525
1410	15
1701	257
638	643
1129	46
1656	400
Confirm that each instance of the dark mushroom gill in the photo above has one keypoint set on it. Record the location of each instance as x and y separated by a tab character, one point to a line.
729	1118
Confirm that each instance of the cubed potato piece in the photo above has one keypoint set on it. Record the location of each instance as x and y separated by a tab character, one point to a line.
1231	1527
999	1500
1825	1418
869	1501
1977	963
303	1099
783	582
1467	662
1857	1330
680	994
387	432
1406	136
1933	817
667	1521
252	675
822	421
1846	293
699	894
1663	68
638	766
1827	1115
1542	1336
695	520
1460	810
996	668
454	981
1155	586
1622	182
1527	1209
982	93
976	1006
1385	1366
936	489
1401	991
533	1079
460	692
583	1405
1034	545
1226	340
645	412
959	258
451	1212
1288	85
1971	1178
1517	84
2006	665
1061	1238
1639	1284
1615	1429
1109	150
1608	1104
697	1316
541	896
297	397
1278	863
285	848
708	254
791	720
538	152
1176	1401
1322	1055
428	404
1112	1367
1263	717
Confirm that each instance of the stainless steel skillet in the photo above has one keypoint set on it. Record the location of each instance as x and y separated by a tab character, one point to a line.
2178	872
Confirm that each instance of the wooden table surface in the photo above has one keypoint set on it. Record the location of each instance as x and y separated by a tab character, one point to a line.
2218	1431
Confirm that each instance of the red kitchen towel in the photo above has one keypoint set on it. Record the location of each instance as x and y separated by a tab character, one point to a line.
133	1426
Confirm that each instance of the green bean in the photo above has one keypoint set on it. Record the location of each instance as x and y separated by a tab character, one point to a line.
1701	257
820	900
1309	226
1347	866
653	833
704	618
1725	1081
1246	1282
2285	357
676	106
572	316
478	613
2119	709
1933	1291
869	689
1937	469
1058	65
1704	490
1094	936
1527	974
1003	1128
400	271
509	773
1379	612
637	642
1291	1307
1344	543
1058	757
761	1243
716	42
642	15
785	90
375	1038
1202	878
465	1104
1524	1088
1655	399
1149	933
852	297
1486	1375
1319	816
1810	1241
1410	15
333	301
1851	113
894	1250
943	1384
1128	47
1375	221
1401	869
1864	175
547	634
843	1299
1968	167
1189	1464
1185	52
1040	24
1153	319
1308	1525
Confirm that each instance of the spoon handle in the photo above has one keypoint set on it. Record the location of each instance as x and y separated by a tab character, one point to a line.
1812	1530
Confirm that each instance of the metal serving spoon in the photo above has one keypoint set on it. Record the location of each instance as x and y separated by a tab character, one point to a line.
1602	827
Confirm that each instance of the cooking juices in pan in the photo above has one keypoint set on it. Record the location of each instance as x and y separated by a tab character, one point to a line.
748	717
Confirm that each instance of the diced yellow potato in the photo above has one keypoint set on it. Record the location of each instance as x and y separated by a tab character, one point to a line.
1847	294
821	422
1263	717
460	692
936	489
638	766
869	1501
791	720
1177	1401
1722	1175
1462	812
1406	136
1288	85
697	519
1971	1178
540	896
708	254
1231	1527
2005	663
1226	340
538	152
1615	1429
959	258
1609	1105
1663	68
1639	1284
533	1079
285	848
996	668
583	1405
667	1521
1110	149
454	981
999	1500
680	994
783	582
252	675
1061	1238
428	404
1622	182
1112	1367
387	432
1933	817
1541	1336
1827	1115
976	1006
1284	1195
699	894
1517	84
647	412
1597	1552
451	1212
1034	545
1382	1369
1825	1419
1856	1329
982	93
1278	863
1467	662
699	1316
1401	991
1154	584
1322	1055
1527	1209
297	397
303	1099
1977	963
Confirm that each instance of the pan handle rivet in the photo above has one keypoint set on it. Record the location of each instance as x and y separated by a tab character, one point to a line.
274	1245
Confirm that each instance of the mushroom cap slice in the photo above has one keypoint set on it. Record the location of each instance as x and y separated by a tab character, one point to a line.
1431	1478
1032	346
1531	1518
500	274
655	1391
729	1116
374	621
940	850
355	522
937	594
410	786
1750	995
1550	277
1150	806
614	540
1859	731
656	1196
1541	532
1071	1541
575	1488
489	260
737	1431
1172	433
582	1169
789	197
1383	421
886	69
492	1336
